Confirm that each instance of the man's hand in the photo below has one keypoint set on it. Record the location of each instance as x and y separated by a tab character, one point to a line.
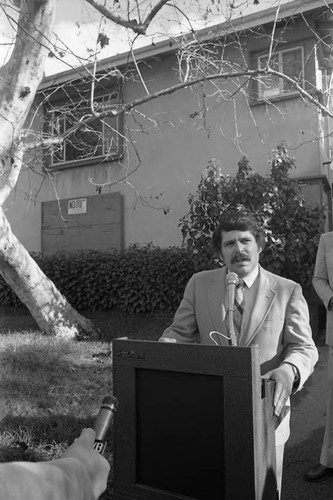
284	380
95	464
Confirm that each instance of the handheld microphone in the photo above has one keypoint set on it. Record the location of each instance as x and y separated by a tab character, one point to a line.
103	422
231	282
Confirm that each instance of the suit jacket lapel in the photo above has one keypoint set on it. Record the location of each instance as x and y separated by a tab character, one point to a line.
265	296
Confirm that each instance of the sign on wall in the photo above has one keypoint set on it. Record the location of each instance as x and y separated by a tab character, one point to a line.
78	206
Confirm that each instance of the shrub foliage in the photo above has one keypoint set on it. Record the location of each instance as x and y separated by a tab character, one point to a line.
139	279
142	279
291	225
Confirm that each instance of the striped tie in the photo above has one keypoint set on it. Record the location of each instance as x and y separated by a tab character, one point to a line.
239	306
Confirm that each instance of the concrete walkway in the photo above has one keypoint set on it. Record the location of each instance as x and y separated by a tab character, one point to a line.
307	430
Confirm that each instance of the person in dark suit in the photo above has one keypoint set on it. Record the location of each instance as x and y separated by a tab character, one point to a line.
275	316
323	284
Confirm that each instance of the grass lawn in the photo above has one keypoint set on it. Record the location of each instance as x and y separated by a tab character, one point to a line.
53	388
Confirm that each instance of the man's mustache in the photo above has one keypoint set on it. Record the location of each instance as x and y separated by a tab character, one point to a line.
239	258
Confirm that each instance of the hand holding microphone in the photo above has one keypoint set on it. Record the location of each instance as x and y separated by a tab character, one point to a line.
93	464
89	447
103	422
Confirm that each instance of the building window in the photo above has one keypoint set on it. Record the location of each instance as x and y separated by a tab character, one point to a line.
289	62
99	139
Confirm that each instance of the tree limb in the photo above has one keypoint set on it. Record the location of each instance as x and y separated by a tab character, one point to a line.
248	74
134	25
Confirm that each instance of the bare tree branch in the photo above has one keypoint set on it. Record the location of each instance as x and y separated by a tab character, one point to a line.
248	74
137	27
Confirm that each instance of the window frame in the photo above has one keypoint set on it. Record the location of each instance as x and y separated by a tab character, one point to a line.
260	81
115	153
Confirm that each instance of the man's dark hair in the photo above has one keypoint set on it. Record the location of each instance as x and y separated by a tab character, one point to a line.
238	221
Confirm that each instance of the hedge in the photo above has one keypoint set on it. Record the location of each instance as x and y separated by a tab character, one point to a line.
139	279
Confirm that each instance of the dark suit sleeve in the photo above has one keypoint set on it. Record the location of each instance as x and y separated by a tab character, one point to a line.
184	327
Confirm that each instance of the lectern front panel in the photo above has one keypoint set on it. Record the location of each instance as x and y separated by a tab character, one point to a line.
173	411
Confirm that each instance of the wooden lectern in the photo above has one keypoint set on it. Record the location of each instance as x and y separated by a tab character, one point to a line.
194	422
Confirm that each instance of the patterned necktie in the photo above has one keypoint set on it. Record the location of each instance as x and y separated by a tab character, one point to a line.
239	306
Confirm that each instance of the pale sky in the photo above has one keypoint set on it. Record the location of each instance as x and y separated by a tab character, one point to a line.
78	24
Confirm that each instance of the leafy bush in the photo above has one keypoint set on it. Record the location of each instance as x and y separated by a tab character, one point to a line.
291	225
139	279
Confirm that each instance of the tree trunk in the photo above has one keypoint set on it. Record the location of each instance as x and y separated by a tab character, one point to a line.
53	314
19	80
22	74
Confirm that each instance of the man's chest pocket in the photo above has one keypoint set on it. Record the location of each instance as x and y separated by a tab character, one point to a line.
274	317
272	323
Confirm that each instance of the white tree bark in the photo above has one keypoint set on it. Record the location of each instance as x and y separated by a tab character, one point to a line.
52	312
19	81
21	75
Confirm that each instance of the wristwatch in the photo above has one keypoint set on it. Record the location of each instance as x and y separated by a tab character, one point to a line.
295	370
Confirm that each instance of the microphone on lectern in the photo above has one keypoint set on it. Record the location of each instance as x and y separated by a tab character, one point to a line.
231	282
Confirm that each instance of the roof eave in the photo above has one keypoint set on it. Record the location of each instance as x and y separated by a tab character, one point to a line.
290	9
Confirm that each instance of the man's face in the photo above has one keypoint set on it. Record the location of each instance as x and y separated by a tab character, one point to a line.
240	251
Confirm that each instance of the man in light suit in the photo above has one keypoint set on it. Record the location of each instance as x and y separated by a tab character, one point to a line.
275	316
323	284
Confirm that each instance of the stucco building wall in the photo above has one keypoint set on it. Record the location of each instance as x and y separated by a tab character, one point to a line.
170	141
